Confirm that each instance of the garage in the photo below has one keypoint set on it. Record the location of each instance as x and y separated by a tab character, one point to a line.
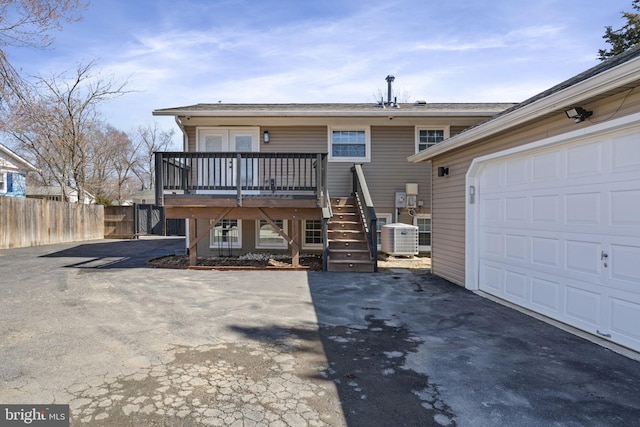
554	226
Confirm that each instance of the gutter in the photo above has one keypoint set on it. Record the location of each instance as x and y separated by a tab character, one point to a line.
604	82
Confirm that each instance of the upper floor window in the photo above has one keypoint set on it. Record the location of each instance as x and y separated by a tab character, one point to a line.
3	182
349	144
428	137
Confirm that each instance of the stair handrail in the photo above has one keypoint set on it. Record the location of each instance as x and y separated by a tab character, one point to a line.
367	211
327	214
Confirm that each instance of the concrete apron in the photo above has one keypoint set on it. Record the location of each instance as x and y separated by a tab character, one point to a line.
137	346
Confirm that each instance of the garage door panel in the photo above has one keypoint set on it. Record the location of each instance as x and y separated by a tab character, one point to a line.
623	263
558	232
546	167
545	295
625	208
517	209
583	257
491	278
624	149
516	247
545	209
624	316
516	172
493	244
583	208
583	306
545	251
516	285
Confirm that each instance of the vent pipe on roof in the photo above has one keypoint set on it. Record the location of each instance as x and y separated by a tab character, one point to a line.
389	80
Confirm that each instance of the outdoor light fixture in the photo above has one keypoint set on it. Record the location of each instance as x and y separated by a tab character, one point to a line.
266	136
578	114
442	171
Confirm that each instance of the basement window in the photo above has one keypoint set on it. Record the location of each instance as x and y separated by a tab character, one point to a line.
268	238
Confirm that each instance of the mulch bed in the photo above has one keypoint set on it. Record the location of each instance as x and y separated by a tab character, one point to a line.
310	263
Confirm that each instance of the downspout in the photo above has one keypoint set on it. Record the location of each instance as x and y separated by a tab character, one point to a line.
185	139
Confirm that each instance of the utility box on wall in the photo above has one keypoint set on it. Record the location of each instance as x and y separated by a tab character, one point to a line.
411	189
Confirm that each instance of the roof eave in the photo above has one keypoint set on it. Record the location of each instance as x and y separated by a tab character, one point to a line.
599	84
381	113
17	158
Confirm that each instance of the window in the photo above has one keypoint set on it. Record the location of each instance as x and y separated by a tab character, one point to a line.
428	137
267	237
424	232
312	234
226	234
3	182
349	144
383	219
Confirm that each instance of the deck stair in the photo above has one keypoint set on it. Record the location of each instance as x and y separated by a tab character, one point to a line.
348	247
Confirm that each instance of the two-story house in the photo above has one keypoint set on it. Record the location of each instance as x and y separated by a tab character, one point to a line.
305	177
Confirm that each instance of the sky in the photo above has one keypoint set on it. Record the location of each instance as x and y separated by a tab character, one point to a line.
181	52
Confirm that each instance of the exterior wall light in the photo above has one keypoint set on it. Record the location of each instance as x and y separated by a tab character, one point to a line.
578	114
443	171
265	137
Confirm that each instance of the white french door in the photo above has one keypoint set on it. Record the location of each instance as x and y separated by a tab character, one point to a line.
220	173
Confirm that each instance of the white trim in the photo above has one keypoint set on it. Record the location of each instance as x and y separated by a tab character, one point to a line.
228	133
472	213
558	101
306	245
283	243
223	246
389	218
446	132
415	220
367	142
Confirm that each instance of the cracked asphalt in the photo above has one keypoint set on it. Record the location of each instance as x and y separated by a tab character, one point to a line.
88	325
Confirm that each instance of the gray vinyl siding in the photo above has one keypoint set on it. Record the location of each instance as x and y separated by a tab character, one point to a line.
448	217
389	169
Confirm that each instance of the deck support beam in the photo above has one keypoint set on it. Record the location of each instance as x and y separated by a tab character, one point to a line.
194	237
295	247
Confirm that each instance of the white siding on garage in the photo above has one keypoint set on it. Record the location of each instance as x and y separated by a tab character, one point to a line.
555	228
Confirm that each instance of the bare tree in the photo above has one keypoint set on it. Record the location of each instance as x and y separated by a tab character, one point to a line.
28	23
150	138
56	124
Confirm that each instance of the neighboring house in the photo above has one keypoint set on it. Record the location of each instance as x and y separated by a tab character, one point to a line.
54	192
540	205
258	177
13	173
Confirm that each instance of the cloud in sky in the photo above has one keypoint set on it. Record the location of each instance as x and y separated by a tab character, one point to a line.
182	52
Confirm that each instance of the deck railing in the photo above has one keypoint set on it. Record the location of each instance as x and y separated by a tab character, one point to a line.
242	174
367	211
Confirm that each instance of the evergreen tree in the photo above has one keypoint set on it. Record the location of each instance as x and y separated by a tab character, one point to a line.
625	37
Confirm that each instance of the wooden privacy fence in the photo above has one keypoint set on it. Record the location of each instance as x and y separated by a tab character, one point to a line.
119	222
33	222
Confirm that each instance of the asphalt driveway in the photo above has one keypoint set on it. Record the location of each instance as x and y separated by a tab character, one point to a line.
89	325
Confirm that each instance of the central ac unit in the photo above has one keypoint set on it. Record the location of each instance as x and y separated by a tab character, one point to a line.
399	239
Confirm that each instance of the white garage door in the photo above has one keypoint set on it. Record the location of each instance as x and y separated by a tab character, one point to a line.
557	230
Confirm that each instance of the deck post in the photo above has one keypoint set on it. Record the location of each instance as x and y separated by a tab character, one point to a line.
295	248
239	178
193	243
